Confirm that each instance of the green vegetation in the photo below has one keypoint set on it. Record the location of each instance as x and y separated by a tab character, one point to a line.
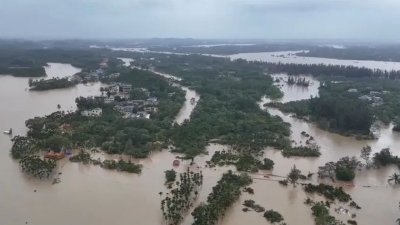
182	197
268	164
22	146
328	191
82	156
122	165
344	169
224	194
170	175
37	71
385	158
54	83
273	216
110	132
243	162
311	150
36	166
394	177
321	214
252	204
298	81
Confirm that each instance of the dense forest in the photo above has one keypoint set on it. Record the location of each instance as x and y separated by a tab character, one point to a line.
329	70
54	83
36	71
29	62
231	49
228	109
338	111
376	53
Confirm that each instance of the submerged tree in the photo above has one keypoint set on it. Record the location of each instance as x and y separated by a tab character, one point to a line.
294	175
366	155
394	177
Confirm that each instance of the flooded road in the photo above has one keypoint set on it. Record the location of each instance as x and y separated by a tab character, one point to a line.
289	57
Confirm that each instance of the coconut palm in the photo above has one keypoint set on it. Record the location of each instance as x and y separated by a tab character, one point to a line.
394	177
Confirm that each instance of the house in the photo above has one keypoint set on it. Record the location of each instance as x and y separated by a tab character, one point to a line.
99	71
114	89
365	98
124	109
126	88
151	101
385	92
150	109
374	93
114	75
109	100
353	90
92	112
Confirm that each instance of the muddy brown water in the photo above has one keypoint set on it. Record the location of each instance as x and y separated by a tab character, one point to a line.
89	194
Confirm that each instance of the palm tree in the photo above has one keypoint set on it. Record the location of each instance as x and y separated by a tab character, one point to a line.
395	177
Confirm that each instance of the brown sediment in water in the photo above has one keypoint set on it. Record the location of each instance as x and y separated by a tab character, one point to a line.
89	194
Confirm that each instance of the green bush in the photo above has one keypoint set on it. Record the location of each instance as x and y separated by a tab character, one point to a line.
345	174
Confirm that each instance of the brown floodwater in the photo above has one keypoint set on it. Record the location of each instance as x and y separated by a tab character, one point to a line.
89	194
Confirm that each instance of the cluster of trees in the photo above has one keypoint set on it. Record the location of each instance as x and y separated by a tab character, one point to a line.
36	166
243	162
322	216
54	83
375	53
170	175
344	169
22	146
333	111
224	194
36	71
182	197
226	49
228	109
273	216
298	81
252	205
311	150
121	165
330	70
329	192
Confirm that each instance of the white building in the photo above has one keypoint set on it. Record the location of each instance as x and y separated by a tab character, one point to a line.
352	90
109	100
151	101
126	88
92	112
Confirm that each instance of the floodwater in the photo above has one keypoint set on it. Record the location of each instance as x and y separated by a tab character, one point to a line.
89	194
127	61
289	57
333	147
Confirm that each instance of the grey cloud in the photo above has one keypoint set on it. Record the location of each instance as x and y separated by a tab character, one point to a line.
200	18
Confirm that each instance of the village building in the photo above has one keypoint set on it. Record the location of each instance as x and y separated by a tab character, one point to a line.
151	101
92	112
353	90
109	100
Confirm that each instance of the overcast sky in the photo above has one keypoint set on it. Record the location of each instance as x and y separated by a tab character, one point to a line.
200	18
